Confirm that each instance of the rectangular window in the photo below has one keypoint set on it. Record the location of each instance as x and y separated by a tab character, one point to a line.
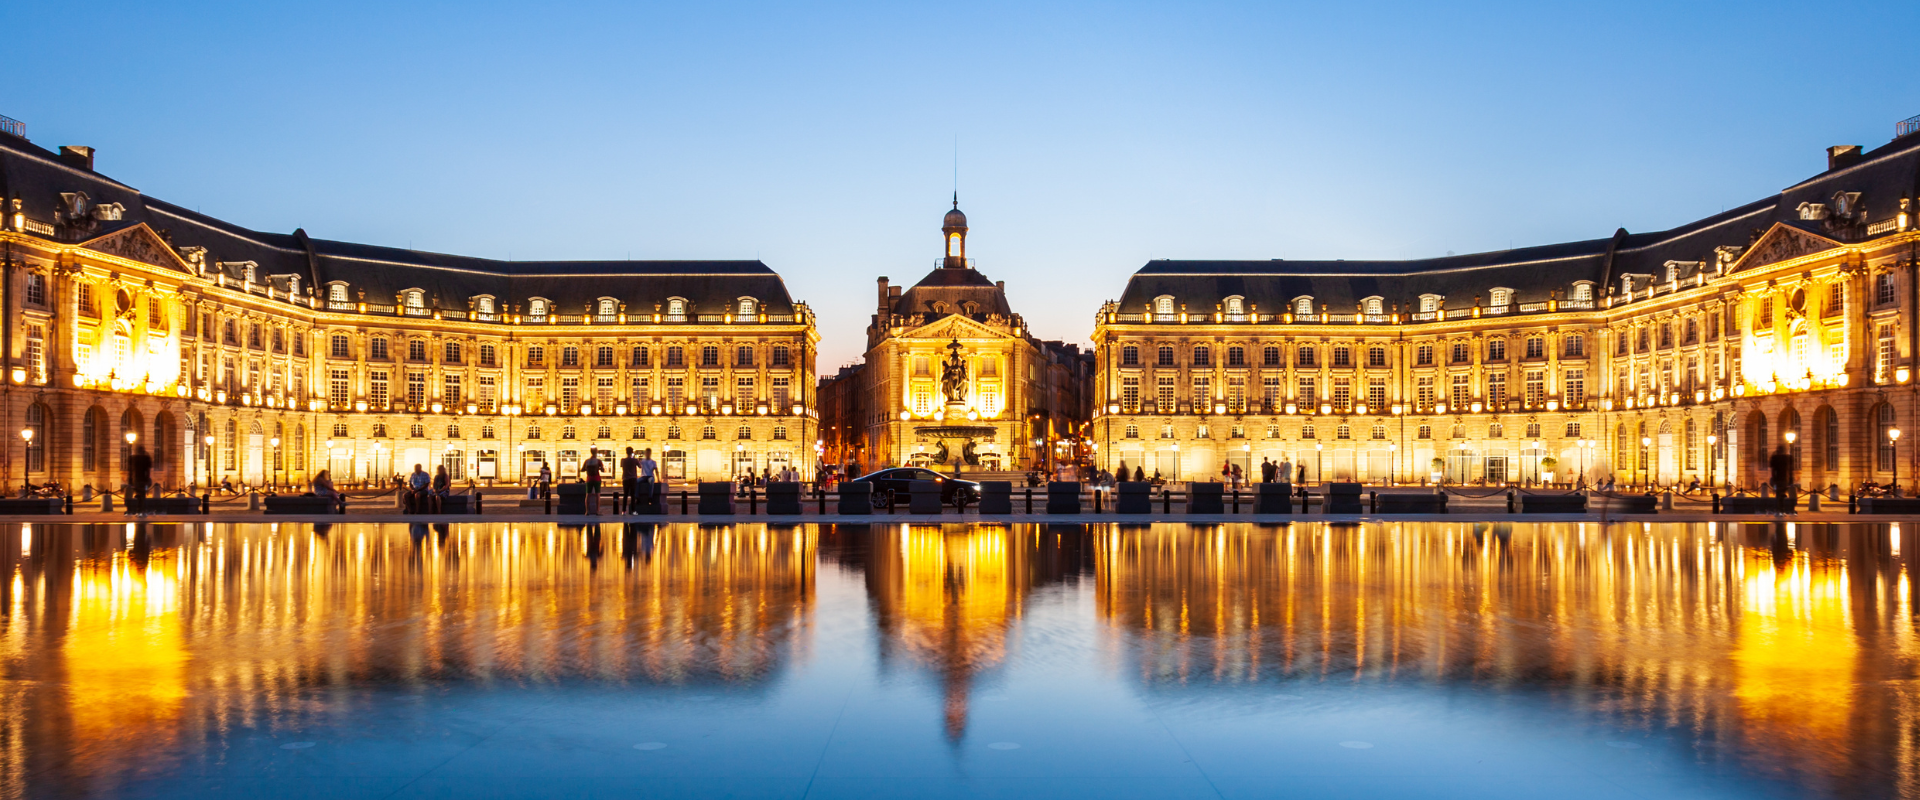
36	289
1377	395
536	395
36	354
640	357
569	356
676	395
710	356
1460	353
1883	354
1576	346
743	356
743	394
536	355
1574	387
783	397
1423	392
1270	394
1306	356
487	355
1237	395
1763	314
1536	347
710	394
1423	356
639	392
1342	395
1536	388
781	356
603	356
1202	356
603	394
450	391
1202	392
451	353
1883	289
489	394
417	350
1342	356
1497	389
416	389
339	392
1308	393
1461	393
1130	394
1164	391
569	394
1496	349
158	321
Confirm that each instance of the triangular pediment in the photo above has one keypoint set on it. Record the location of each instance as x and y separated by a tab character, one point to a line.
1782	243
139	243
954	326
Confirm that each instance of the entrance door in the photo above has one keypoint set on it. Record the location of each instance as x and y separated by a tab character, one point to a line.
675	465
255	470
569	465
487	464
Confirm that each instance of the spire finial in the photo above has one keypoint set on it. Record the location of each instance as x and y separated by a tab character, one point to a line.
956	198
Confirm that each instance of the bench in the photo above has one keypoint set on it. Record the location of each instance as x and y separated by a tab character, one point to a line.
1063	497
301	504
36	506
1632	504
1206	498
177	504
1553	504
1750	504
1343	498
1274	498
1890	505
1410	503
716	497
856	498
783	497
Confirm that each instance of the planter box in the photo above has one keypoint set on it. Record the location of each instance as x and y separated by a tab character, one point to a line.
1133	497
856	498
1553	504
996	497
1063	497
652	499
1343	498
716	497
1411	503
1751	504
783	498
1205	498
1274	498
1633	504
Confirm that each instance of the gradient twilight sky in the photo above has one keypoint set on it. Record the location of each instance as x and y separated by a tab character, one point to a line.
1091	137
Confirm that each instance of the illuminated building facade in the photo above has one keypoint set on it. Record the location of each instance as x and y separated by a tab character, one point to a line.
252	357
951	376
1665	357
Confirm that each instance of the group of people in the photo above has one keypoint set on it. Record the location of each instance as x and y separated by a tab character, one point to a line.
637	472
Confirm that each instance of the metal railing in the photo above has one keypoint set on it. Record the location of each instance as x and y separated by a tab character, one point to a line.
1901	128
13	126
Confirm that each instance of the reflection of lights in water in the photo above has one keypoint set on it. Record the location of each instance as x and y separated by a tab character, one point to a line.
947	596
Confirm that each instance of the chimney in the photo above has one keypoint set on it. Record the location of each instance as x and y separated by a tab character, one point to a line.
1841	156
884	305
74	155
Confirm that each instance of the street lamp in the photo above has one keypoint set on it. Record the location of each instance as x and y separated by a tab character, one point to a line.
275	442
1319	462
1646	469
1893	441
26	480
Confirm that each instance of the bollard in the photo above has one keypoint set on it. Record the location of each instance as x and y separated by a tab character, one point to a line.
1096	499
1853	503
823	501
1716	501
1666	501
548	503
683	501
69	504
1813	501
1166	500
753	501
1509	500
1029	499
476	503
1236	499
106	502
1303	499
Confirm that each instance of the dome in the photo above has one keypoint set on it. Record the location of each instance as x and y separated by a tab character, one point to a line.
954	218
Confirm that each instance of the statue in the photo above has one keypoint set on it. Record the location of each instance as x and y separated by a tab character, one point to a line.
940	452
968	455
953	376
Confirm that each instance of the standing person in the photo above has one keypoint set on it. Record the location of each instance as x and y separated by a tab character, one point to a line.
647	468
546	480
139	474
591	470
630	479
1780	470
1267	470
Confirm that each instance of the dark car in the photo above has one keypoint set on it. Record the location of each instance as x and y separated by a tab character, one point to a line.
890	485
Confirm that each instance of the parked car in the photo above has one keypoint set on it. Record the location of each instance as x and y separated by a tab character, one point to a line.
889	484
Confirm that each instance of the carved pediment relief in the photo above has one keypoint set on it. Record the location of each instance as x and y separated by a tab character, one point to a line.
954	328
139	243
1781	244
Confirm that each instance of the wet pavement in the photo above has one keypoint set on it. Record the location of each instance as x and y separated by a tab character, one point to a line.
1315	659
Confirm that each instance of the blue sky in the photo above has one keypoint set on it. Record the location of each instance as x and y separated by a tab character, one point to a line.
1091	137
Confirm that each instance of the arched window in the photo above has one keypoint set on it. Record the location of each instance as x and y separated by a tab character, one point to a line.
37	446
1373	305
1882	425
1163	304
676	307
607	306
483	305
1165	356
537	307
337	293
1236	305
1303	306
1129	356
1500	298
1430	302
453	431
416	300
1583	291
748	307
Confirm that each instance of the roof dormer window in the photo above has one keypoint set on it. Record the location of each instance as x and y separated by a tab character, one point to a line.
483	304
1583	291
1163	304
676	308
1236	305
749	307
416	299
1430	303
606	308
1303	306
1500	297
537	307
1373	305
337	293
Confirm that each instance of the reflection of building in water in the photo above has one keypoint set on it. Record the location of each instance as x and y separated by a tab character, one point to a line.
1786	642
945	595
188	628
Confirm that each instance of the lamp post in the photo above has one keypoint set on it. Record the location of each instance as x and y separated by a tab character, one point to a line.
209	461
26	479
1792	463
1893	441
1646	469
275	443
1393	458
1319	462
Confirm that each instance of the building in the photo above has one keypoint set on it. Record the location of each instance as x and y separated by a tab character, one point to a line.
843	417
248	357
951	376
1659	357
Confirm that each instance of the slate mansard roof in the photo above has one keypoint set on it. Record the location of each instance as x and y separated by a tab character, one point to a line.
1874	184
46	184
